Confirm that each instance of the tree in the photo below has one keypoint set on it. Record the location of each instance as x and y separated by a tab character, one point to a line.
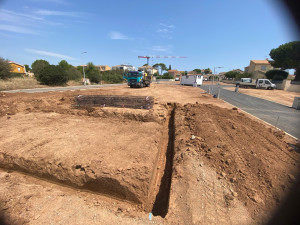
198	71
232	74
52	75
167	76
170	67
4	69
37	67
243	75
146	64
112	76
64	65
92	73
73	74
207	71
27	67
160	66
287	56
276	74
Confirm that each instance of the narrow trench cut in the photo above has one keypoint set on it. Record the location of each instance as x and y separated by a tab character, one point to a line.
161	204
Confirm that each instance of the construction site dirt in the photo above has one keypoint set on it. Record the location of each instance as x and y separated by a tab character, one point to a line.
186	158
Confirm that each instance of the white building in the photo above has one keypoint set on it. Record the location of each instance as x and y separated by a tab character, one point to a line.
124	67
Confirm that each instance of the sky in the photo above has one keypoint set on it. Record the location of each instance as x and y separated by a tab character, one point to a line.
209	33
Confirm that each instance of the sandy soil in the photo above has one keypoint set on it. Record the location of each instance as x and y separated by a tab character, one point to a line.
280	96
191	159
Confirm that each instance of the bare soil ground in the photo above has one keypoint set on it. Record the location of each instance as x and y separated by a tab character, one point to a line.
191	159
279	96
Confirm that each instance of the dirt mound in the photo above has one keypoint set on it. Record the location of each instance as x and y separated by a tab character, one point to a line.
194	163
96	154
249	166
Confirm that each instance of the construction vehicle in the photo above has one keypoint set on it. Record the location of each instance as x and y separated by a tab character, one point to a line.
259	83
137	79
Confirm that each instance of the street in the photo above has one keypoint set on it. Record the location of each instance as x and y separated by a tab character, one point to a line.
283	117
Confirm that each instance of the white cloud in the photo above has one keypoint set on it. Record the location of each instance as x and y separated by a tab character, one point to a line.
56	13
159	48
118	36
13	17
164	30
24	19
53	54
168	26
52	1
16	29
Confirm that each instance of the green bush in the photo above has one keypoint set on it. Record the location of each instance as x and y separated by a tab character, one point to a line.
4	69
232	74
52	75
278	77
37	67
112	76
94	76
73	74
278	74
243	75
17	75
167	76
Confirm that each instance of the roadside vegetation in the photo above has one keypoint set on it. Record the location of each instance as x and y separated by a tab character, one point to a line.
237	75
286	56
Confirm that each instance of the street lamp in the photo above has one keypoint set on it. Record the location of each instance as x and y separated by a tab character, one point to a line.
84	82
214	75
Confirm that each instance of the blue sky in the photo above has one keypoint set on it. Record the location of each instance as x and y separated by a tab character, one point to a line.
210	33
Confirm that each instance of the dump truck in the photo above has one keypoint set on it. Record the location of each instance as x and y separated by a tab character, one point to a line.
137	79
259	83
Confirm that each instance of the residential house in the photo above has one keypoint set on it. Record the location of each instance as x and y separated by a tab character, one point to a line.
17	68
124	67
175	74
103	67
258	68
100	67
237	70
192	72
148	69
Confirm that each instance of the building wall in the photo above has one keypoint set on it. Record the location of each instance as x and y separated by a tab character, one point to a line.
15	68
259	67
175	73
287	85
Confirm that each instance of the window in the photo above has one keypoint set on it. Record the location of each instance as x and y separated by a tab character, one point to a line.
267	82
19	69
260	82
263	67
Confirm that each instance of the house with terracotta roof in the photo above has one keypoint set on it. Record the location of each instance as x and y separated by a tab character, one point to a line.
17	68
175	74
258	68
100	67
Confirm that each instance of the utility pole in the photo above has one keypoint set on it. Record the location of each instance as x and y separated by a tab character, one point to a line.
84	81
214	75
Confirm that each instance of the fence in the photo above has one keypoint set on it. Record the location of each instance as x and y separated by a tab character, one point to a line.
288	85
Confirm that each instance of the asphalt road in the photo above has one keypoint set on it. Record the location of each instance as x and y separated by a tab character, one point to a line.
68	88
283	117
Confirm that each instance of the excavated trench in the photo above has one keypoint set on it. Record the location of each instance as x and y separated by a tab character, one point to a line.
161	204
159	186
